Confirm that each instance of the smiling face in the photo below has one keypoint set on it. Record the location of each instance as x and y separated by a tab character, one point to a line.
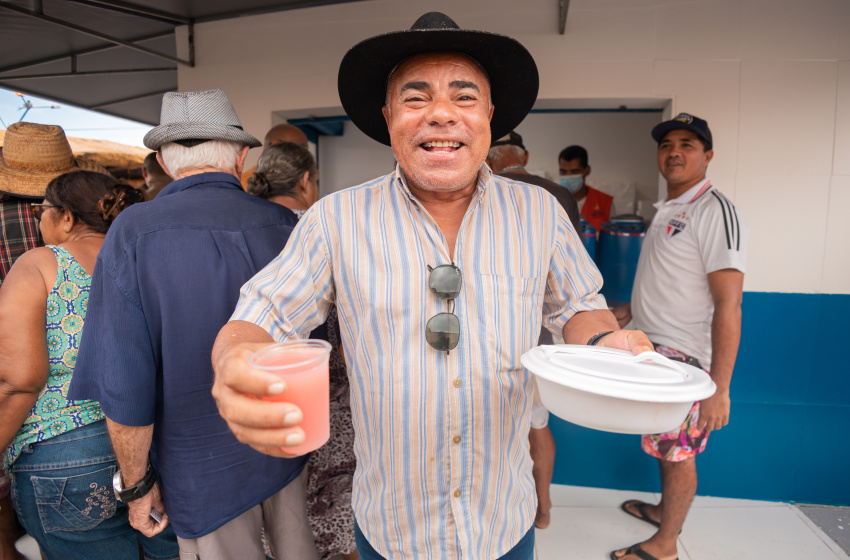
682	159
438	113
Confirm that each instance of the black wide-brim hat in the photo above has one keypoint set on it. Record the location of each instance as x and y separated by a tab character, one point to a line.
364	71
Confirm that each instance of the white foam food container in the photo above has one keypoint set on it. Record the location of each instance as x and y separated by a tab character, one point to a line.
614	390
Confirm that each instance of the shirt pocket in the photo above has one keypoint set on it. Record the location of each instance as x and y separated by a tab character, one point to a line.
75	503
513	315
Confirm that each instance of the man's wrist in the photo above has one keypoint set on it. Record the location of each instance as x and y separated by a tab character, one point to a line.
721	379
595	339
132	475
135	491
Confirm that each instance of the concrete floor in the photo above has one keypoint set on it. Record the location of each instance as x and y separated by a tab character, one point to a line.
834	521
587	524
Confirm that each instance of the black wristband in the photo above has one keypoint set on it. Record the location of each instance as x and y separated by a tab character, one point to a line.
594	340
136	491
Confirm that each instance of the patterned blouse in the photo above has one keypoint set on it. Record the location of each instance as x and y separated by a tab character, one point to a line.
53	414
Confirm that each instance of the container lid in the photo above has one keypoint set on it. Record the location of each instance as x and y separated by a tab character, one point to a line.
647	377
633	228
627	219
631	223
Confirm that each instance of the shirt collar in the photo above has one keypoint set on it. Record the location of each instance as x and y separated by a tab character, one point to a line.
484	176
220	180
689	195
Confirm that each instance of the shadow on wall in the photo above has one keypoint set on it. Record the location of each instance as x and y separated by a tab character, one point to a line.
787	440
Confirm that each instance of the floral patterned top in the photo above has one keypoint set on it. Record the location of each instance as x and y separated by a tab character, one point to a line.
53	413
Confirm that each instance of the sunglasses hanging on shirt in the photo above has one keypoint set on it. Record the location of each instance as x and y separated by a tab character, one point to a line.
443	329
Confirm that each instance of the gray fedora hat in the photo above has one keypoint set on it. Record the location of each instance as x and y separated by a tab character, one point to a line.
193	117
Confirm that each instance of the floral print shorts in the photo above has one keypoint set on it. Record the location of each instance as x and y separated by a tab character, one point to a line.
685	442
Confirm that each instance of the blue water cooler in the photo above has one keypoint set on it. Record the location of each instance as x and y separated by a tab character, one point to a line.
588	237
620	241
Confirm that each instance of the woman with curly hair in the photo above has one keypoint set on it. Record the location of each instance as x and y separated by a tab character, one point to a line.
58	450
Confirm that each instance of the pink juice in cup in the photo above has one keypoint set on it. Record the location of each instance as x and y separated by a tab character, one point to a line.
303	365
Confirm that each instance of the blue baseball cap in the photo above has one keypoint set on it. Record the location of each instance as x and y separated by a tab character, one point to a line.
684	121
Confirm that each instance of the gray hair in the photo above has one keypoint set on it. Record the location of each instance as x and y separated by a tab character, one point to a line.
504	149
279	169
218	154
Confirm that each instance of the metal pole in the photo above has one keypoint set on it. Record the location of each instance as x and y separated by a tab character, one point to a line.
191	38
88	73
563	8
134	10
133	98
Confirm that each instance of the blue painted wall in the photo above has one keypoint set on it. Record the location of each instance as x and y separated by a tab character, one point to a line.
789	433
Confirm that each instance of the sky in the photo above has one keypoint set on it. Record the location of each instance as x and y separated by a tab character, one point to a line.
79	123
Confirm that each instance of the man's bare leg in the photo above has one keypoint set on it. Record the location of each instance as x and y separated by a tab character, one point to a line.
678	488
542	447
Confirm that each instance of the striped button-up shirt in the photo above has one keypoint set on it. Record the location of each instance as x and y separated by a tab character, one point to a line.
443	467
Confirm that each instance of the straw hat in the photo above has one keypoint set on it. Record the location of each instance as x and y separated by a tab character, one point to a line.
33	155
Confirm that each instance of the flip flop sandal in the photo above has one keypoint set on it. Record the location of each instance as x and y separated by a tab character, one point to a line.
641	514
635	550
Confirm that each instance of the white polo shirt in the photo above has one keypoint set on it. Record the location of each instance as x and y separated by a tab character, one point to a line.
692	235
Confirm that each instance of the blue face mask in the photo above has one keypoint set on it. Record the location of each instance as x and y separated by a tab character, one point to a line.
572	183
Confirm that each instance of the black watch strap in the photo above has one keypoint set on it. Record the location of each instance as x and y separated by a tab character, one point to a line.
135	491
594	340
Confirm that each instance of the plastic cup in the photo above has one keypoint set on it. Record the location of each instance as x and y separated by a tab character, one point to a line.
303	365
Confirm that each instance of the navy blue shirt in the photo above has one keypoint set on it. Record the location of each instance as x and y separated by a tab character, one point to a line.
166	280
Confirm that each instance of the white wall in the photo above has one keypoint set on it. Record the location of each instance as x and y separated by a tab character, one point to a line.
772	77
351	159
619	146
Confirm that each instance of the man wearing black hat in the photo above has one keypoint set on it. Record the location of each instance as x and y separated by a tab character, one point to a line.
687	298
442	274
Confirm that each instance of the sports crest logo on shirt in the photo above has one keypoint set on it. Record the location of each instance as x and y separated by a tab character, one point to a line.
677	224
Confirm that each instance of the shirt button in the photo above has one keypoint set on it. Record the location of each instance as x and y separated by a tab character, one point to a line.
457	383
457	493
456	439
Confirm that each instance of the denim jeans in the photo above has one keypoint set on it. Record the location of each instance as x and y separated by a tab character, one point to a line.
523	550
62	491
